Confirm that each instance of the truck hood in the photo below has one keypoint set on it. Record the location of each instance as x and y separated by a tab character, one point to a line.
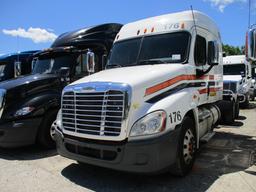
146	75
28	80
232	78
27	86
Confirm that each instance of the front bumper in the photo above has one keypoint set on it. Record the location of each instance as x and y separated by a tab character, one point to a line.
151	155
19	133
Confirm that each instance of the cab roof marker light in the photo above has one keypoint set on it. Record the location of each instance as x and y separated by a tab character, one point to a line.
145	31
138	32
117	37
153	29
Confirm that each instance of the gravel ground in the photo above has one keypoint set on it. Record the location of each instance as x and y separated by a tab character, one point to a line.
226	163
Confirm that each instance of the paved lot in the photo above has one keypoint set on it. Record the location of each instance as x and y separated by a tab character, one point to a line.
226	163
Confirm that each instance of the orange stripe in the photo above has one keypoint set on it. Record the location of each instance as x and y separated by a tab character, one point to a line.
212	90
173	81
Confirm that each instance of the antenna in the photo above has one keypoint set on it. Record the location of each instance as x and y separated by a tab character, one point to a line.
191	7
249	17
18	52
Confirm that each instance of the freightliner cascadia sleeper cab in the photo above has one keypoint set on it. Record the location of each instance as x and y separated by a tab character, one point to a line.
160	95
15	64
29	105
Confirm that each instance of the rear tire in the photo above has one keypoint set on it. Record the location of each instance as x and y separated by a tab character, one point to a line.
186	149
228	112
246	103
44	133
237	109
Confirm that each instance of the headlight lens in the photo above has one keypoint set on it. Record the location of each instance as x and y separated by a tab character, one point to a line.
24	111
243	89
59	119
152	123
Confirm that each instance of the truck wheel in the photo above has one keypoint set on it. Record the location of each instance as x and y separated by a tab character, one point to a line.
228	112
237	109
186	150
44	137
246	103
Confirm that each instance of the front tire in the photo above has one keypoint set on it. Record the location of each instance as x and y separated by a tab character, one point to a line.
44	135
246	103
186	149
228	112
237	109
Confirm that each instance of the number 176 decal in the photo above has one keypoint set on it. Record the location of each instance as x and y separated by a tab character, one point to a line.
175	116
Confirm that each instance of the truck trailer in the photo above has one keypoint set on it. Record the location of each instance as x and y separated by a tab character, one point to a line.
160	95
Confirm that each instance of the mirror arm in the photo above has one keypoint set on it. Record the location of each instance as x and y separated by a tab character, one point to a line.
200	72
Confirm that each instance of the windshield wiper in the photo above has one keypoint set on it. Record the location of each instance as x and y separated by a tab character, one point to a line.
151	62
113	66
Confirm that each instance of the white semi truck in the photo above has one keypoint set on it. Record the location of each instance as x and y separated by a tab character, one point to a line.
250	51
253	86
161	94
238	77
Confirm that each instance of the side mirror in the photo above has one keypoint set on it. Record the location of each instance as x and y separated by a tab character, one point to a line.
104	61
17	69
213	53
242	74
33	63
90	62
251	44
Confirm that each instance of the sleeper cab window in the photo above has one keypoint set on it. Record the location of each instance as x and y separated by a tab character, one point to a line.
200	51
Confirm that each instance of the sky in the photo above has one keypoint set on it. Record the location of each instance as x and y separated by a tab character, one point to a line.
33	25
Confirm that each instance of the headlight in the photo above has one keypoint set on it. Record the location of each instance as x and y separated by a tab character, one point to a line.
59	119
243	89
24	111
152	123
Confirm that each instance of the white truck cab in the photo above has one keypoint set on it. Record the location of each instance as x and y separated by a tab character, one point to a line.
238	77
160	95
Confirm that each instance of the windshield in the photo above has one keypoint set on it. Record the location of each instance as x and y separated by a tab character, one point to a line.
53	65
234	69
164	48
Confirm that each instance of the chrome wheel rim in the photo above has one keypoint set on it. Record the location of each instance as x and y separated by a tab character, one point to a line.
52	130
188	146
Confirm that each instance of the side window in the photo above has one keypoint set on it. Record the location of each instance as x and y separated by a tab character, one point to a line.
200	51
81	62
79	65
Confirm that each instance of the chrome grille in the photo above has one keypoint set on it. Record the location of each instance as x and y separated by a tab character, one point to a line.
94	113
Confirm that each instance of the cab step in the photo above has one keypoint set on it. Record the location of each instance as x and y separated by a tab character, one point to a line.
207	137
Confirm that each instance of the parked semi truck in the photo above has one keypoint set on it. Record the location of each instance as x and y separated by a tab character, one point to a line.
162	94
29	105
253	86
238	78
250	51
15	64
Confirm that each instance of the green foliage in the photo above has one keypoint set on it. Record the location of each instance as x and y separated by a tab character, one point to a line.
232	50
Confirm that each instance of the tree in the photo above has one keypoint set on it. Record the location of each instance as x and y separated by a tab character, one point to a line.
232	50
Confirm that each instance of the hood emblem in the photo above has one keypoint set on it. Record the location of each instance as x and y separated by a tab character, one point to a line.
88	89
